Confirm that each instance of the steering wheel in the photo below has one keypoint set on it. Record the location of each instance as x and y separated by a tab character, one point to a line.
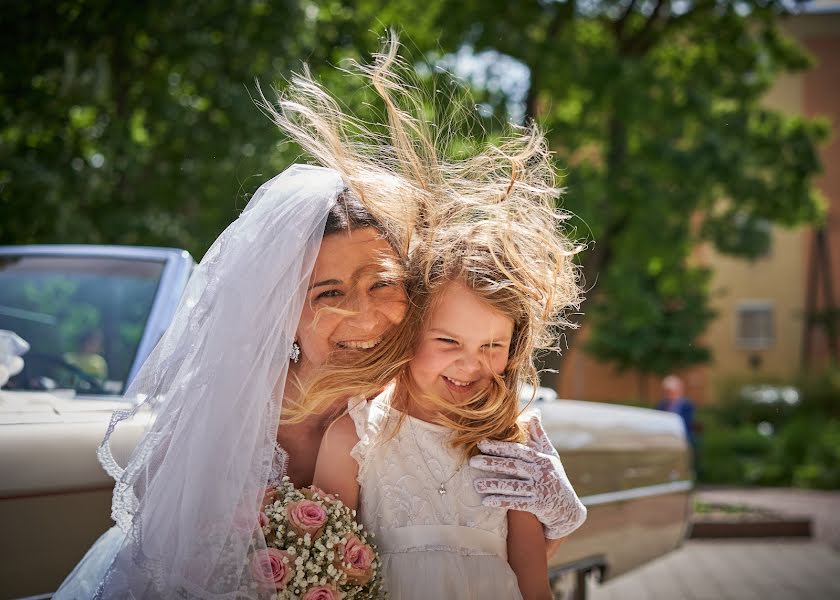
92	384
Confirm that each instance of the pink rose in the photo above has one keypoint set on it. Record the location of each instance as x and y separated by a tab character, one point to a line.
271	568
307	516
323	592
262	519
360	557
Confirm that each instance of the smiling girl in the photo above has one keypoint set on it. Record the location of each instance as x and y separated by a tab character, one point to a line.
489	278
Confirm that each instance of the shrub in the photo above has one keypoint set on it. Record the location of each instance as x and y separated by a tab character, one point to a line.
777	443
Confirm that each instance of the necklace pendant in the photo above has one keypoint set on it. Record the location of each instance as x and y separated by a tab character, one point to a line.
441	490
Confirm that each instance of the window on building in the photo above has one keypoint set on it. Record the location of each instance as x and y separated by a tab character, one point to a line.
754	325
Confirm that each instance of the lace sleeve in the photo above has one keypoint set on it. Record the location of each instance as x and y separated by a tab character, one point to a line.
359	409
369	417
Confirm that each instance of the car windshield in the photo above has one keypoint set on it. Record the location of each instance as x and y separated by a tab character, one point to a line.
83	318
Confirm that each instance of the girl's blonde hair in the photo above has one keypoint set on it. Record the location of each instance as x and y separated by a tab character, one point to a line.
488	221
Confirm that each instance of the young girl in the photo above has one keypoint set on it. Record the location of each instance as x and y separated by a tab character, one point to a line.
487	279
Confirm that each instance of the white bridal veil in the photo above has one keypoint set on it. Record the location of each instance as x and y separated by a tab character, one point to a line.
187	499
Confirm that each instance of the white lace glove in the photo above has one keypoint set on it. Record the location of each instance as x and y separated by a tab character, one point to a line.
538	485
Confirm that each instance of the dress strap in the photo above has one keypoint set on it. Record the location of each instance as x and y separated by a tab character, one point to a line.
441	537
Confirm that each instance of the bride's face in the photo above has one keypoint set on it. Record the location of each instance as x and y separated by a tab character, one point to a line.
346	278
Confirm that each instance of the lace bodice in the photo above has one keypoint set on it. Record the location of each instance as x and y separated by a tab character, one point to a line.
279	465
400	474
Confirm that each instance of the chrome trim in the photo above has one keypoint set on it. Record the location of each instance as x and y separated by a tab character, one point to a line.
639	492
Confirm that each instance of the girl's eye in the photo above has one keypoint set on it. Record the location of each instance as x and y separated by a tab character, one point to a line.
328	294
494	347
446	340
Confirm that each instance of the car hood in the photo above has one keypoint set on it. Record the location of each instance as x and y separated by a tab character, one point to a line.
18	408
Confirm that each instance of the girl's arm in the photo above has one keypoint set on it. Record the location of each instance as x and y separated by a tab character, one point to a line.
336	470
526	555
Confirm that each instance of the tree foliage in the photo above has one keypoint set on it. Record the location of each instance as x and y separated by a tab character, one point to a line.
134	123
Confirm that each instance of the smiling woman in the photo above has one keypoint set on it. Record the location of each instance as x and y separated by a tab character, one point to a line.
352	301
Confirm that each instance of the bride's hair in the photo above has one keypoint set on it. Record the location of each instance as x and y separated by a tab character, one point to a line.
487	220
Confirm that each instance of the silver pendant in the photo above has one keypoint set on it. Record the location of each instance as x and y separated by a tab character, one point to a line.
441	490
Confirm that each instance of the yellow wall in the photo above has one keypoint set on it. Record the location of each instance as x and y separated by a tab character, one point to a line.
776	278
781	276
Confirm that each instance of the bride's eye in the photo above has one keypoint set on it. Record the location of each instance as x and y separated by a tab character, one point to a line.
328	294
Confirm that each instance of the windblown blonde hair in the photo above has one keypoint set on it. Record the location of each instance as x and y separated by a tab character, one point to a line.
488	221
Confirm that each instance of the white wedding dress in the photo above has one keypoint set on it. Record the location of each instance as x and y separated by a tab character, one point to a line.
83	582
432	544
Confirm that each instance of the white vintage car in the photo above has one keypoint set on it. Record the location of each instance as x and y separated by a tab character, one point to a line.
92	314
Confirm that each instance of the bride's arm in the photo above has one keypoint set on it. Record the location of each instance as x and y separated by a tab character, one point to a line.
530	478
336	469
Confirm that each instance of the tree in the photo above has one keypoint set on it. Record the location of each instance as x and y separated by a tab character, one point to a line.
133	123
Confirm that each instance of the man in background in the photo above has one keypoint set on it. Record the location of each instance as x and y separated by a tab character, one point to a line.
674	400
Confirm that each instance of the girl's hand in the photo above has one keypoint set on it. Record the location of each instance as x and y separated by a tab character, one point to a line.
539	484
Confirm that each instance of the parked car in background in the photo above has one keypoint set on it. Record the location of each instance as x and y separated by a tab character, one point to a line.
92	314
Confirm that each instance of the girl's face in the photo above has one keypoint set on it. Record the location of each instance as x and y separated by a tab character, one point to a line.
345	277
463	342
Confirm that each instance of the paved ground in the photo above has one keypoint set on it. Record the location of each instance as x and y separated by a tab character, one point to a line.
783	569
732	570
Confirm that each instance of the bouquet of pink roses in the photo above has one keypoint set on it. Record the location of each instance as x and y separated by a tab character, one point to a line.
315	549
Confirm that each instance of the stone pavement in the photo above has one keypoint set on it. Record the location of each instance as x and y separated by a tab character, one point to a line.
822	506
732	570
738	569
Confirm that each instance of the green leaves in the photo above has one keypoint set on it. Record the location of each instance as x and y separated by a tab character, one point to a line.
134	123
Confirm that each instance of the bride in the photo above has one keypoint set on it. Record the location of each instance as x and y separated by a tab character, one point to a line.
309	271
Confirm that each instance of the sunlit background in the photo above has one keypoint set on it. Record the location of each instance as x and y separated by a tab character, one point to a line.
699	143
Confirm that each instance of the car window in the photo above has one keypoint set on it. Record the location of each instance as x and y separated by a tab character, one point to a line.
82	316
